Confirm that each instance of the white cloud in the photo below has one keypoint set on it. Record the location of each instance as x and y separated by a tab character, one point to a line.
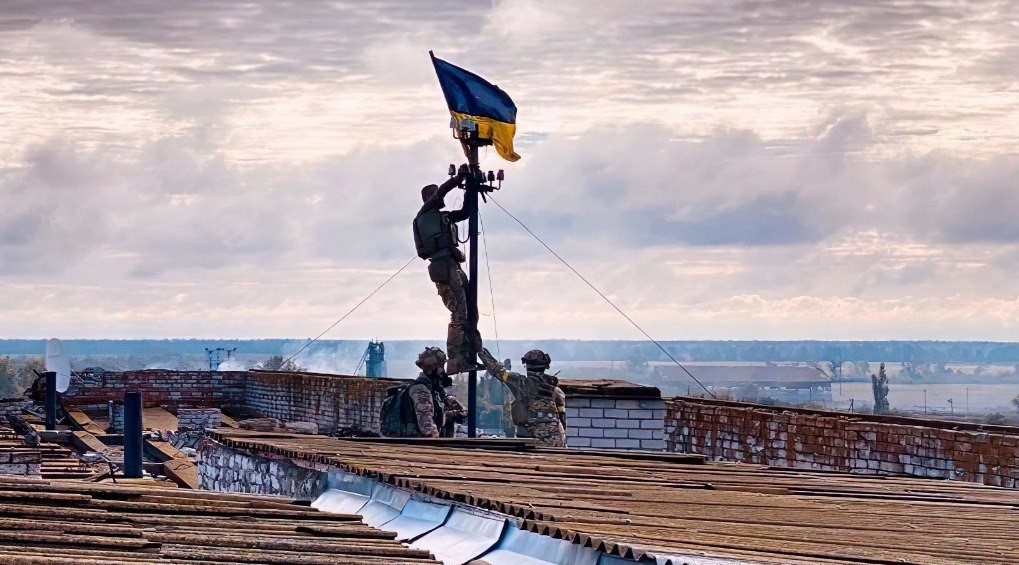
223	169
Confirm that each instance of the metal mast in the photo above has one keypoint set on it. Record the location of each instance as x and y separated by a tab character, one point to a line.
476	185
471	199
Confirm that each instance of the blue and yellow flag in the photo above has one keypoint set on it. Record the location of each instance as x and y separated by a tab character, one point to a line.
472	97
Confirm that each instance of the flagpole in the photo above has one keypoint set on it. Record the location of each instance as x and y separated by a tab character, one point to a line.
471	200
466	130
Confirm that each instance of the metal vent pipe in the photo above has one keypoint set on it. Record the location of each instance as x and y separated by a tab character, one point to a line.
133	435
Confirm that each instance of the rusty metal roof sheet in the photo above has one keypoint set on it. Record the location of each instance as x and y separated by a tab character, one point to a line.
640	506
68	522
56	462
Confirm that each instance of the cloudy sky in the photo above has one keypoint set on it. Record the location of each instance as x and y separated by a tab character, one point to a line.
723	170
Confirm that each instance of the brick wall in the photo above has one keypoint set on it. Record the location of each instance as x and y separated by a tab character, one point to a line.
115	416
333	402
191	419
612	414
600	414
20	462
159	387
834	441
615	423
13	406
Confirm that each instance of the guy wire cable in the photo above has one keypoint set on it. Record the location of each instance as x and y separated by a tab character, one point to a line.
361	362
351	311
491	292
605	298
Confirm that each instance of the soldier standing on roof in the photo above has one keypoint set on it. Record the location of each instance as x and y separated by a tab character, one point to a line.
436	239
538	408
426	394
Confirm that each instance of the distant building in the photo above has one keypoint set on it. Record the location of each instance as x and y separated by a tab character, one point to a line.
754	383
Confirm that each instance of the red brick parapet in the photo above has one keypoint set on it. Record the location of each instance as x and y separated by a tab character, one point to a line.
834	441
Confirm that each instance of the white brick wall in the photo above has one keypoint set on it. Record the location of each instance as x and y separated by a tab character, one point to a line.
615	423
191	419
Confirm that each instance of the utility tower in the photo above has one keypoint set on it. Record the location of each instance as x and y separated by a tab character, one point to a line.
216	356
375	365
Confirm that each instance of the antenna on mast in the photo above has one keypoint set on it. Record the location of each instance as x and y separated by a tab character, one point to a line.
58	363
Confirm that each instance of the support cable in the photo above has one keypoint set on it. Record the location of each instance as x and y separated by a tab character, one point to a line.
601	294
361	362
351	311
491	291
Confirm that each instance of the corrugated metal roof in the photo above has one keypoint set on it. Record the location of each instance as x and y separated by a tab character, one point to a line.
88	524
634	506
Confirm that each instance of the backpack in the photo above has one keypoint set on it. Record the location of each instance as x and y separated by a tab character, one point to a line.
392	419
398	418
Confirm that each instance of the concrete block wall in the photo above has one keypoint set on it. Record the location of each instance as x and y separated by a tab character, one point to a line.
615	423
20	462
192	419
834	441
335	403
115	416
232	470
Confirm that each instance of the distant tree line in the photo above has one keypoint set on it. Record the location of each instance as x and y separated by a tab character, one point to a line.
17	375
916	352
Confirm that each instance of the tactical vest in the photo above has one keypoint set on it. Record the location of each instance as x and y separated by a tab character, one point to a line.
433	232
532	400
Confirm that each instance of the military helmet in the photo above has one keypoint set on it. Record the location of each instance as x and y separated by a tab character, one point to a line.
431	358
536	358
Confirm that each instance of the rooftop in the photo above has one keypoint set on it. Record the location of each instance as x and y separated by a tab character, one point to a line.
640	504
146	522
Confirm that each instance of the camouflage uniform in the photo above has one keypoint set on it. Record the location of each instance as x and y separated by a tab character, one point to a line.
449	278
455	413
560	404
428	408
537	409
454	297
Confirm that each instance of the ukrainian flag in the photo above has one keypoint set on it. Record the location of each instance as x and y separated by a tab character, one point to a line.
472	97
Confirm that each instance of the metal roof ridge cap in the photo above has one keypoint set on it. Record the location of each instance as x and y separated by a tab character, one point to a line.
464	536
541	547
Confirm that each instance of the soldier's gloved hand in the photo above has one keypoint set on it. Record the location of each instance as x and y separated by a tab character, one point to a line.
487	359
